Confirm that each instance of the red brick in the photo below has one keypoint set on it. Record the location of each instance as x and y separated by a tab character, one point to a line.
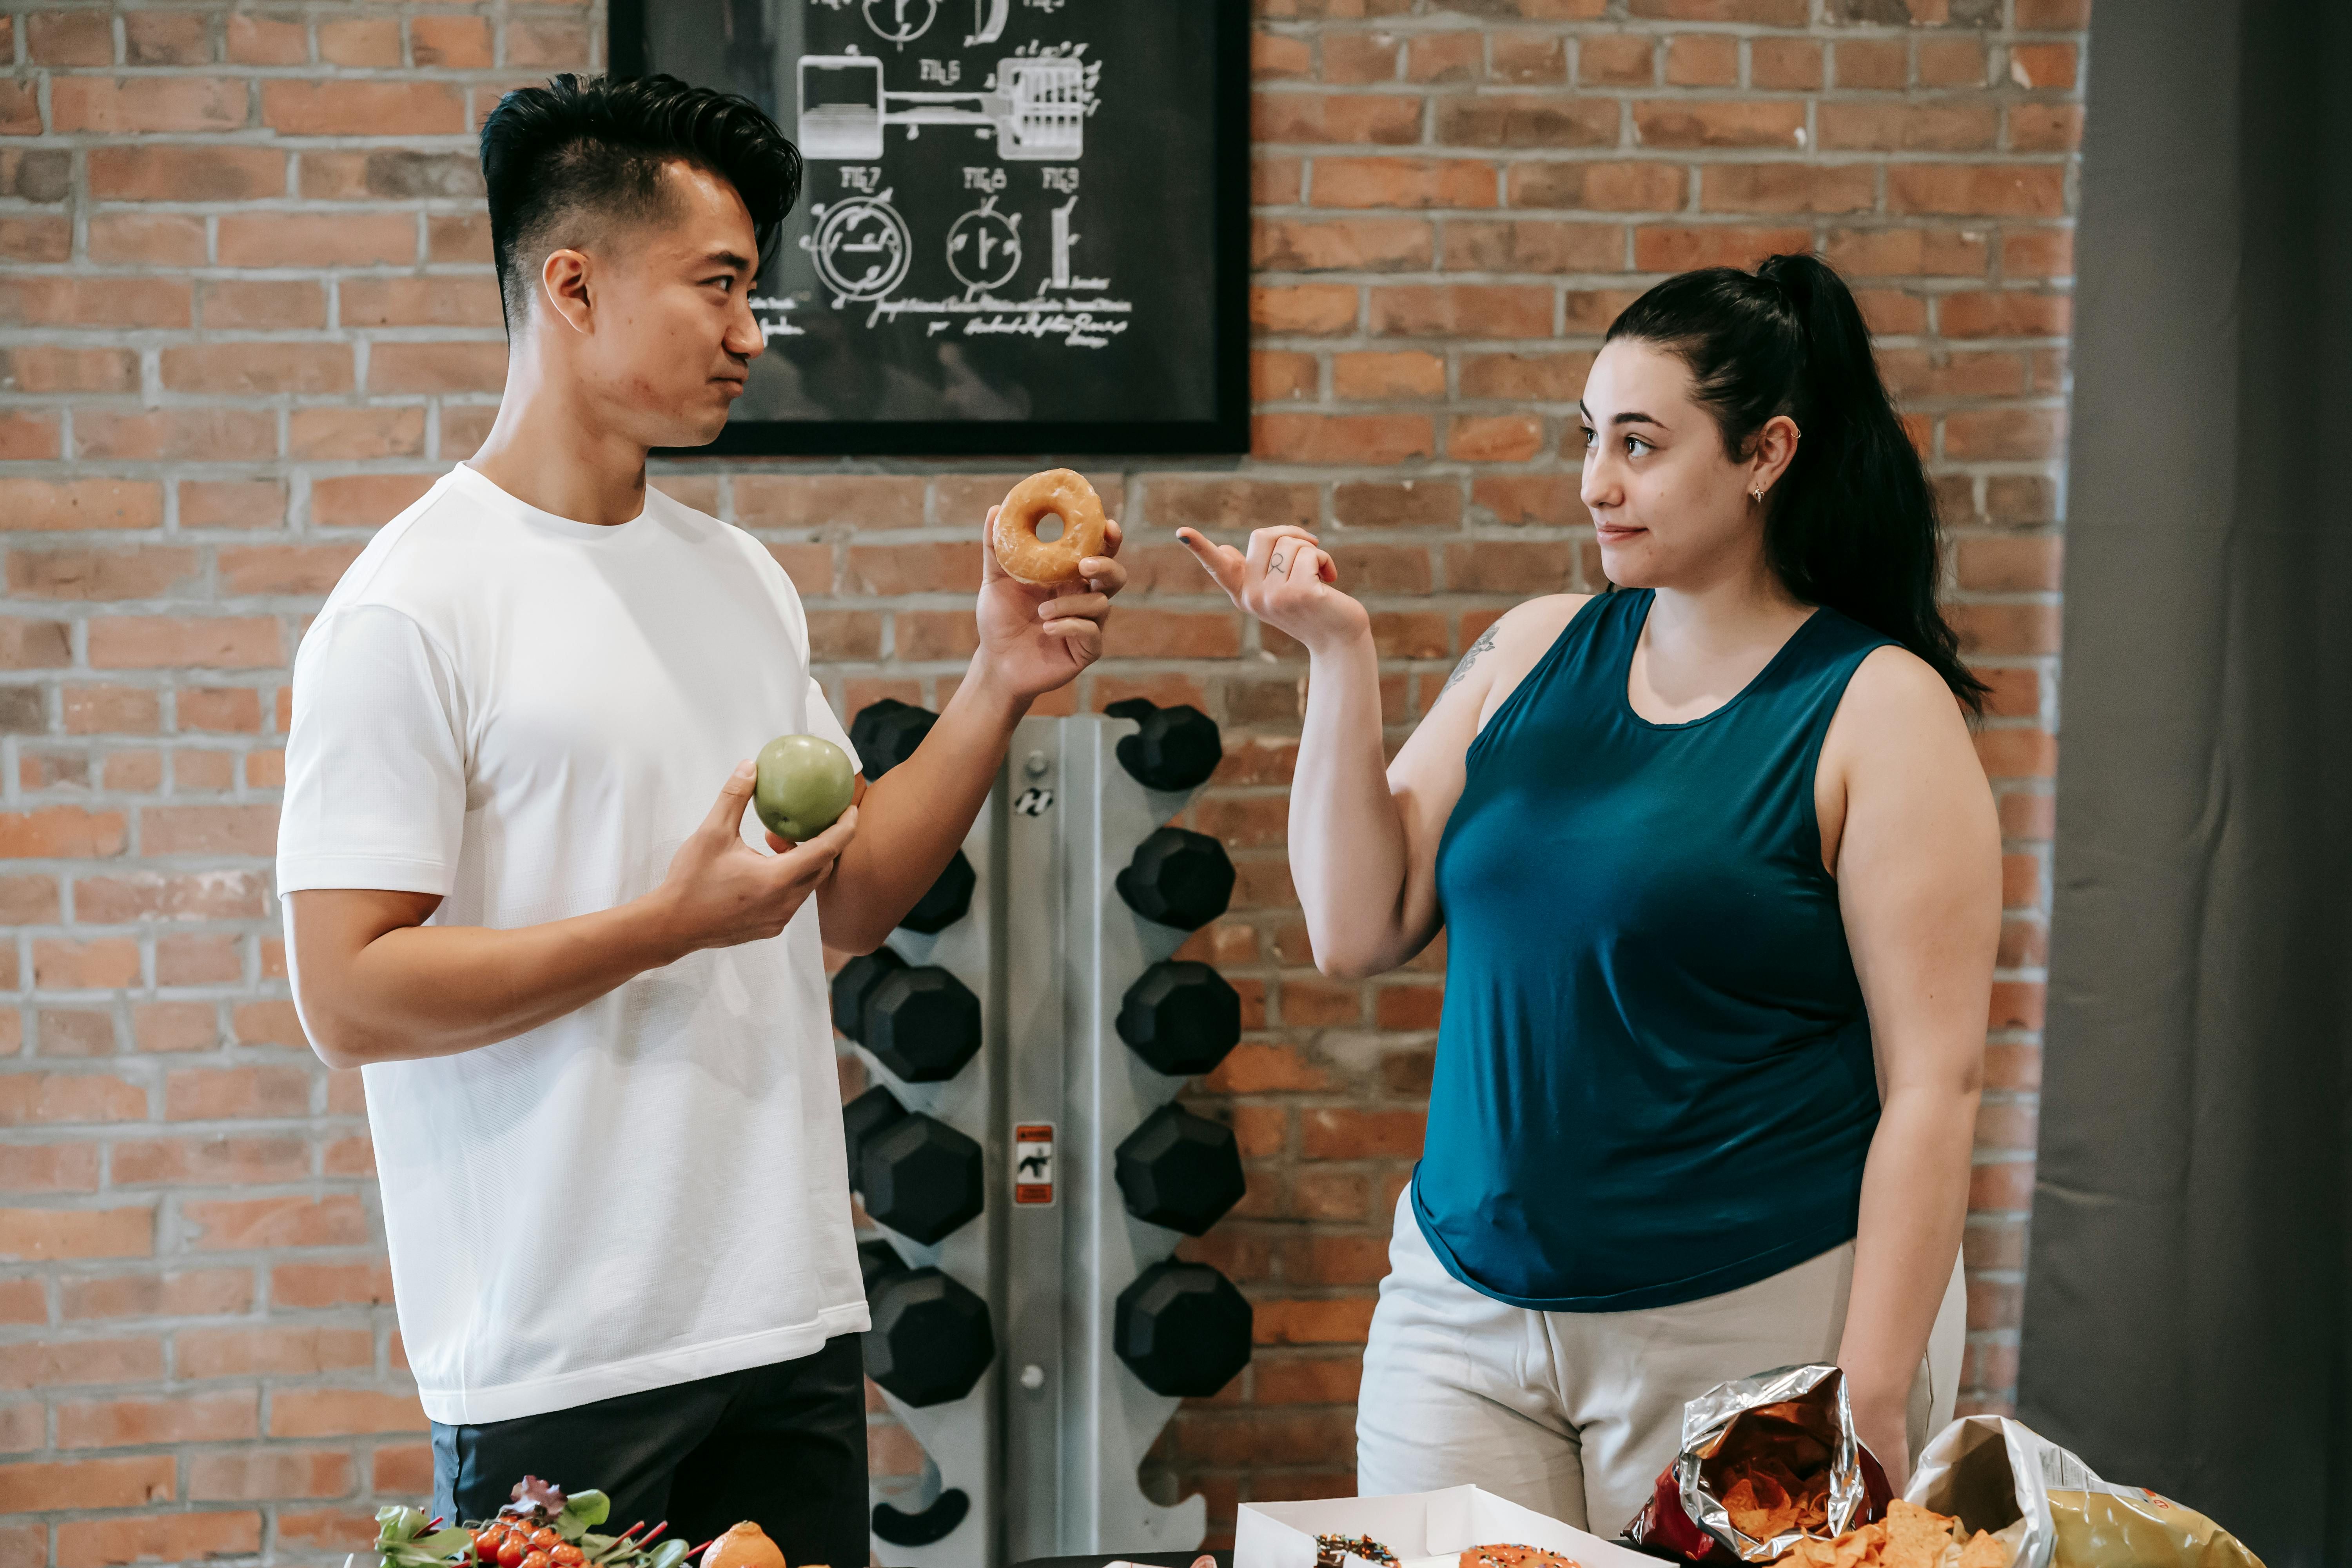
232	503
342	1413
360	41
1299	1322
1444	56
1527	59
430	367
26	644
58	1363
1729	122
85	1483
1352	439
1319	117
1354	245
99	963
235	1162
1616	60
259	369
1977	190
453	301
60	832
1930	126
69	39
1402	183
240	1223
314	1285
546	44
1784	64
257	1473
175	1026
1901	252
1951	62
192	1293
458	43
152	172
29	438
1478	310
1605	186
41	368
146	1423
2017	753
165	39
1527	246
281	1351
1988	433
118	106
1304	309
1493	437
206	959
42	505
1768	13
166	1538
144	572
1276	375
1524	119
163	435
348	107
201	1094
1675	248
1371	377
1347	1135
33	1235
1703	59
156	642
1788	188
1526	377
27	1168
259	305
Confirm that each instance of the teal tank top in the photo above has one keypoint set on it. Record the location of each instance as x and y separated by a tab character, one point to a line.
1653	1078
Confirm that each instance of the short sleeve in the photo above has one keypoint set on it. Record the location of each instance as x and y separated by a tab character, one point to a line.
376	764
825	726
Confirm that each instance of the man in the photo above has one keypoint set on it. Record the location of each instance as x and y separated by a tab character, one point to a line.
593	1016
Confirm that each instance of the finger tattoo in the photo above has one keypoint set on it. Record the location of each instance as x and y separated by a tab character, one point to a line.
1275	564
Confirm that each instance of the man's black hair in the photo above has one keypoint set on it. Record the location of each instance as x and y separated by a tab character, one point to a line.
580	153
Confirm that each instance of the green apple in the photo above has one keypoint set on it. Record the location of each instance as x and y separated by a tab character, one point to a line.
805	786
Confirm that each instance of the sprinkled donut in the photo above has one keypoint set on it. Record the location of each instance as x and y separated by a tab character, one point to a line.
1045	563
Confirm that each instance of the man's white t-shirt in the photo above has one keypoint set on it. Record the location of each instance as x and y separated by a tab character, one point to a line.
527	716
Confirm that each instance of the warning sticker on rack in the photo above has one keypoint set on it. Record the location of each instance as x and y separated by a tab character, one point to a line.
1032	1162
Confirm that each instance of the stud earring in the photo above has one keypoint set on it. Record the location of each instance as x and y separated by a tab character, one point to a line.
1757	495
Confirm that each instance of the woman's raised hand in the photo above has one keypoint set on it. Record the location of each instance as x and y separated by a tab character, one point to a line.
1287	581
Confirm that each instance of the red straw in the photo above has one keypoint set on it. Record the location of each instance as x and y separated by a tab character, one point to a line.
654	1532
696	1552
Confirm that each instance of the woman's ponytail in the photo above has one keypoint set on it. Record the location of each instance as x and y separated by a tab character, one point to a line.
1852	523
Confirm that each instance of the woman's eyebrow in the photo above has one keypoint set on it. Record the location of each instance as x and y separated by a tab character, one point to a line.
1629	418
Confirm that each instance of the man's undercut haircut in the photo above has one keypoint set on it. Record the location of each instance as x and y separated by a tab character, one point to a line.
571	161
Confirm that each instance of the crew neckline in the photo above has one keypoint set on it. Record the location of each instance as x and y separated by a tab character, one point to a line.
1625	672
612	535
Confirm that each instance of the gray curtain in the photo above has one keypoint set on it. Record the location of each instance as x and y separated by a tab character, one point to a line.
2186	1320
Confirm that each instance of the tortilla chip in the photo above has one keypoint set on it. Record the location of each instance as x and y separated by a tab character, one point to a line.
1915	1537
1984	1552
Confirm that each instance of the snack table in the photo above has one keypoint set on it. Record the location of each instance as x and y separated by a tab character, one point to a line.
1149	1560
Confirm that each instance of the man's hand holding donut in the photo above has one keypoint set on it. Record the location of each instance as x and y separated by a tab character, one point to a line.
1033	639
1288	581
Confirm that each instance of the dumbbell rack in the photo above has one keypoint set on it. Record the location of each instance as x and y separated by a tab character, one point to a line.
1044	1450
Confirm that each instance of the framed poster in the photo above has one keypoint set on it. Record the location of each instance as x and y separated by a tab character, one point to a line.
1023	228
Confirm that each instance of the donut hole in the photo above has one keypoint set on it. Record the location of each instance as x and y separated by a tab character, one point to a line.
1050	527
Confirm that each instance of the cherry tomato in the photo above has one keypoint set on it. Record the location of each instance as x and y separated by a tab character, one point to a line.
537	1560
512	1551
486	1545
545	1539
567	1556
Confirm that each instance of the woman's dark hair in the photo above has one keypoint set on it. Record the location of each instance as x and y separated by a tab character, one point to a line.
1852	524
582	152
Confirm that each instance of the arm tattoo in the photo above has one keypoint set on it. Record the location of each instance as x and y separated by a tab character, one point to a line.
1486	640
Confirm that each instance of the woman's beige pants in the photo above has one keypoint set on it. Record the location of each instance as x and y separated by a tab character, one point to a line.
1574	1414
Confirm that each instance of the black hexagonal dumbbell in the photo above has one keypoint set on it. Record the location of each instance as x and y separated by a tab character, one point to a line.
921	1177
1176	748
1180	1169
1181	1017
862	1118
1178	878
1182	1329
855	982
878	1261
931	1340
948	901
922	1024
885	733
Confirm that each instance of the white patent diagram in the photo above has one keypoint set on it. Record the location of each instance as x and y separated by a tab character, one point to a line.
1035	107
901	22
984	248
861	246
988	17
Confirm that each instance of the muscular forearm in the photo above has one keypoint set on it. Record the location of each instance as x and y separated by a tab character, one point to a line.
1347	853
1915	1198
912	820
421	991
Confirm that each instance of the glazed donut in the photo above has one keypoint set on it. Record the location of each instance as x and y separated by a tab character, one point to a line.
1045	563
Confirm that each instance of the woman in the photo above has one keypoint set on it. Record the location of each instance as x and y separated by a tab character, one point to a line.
1721	880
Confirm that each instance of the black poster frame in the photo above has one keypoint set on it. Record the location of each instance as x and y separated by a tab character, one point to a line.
1227	430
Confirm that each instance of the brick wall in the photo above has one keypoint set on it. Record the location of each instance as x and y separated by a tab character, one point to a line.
245	315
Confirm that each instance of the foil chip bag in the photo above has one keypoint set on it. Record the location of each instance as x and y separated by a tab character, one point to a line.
2049	1510
1766	1462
